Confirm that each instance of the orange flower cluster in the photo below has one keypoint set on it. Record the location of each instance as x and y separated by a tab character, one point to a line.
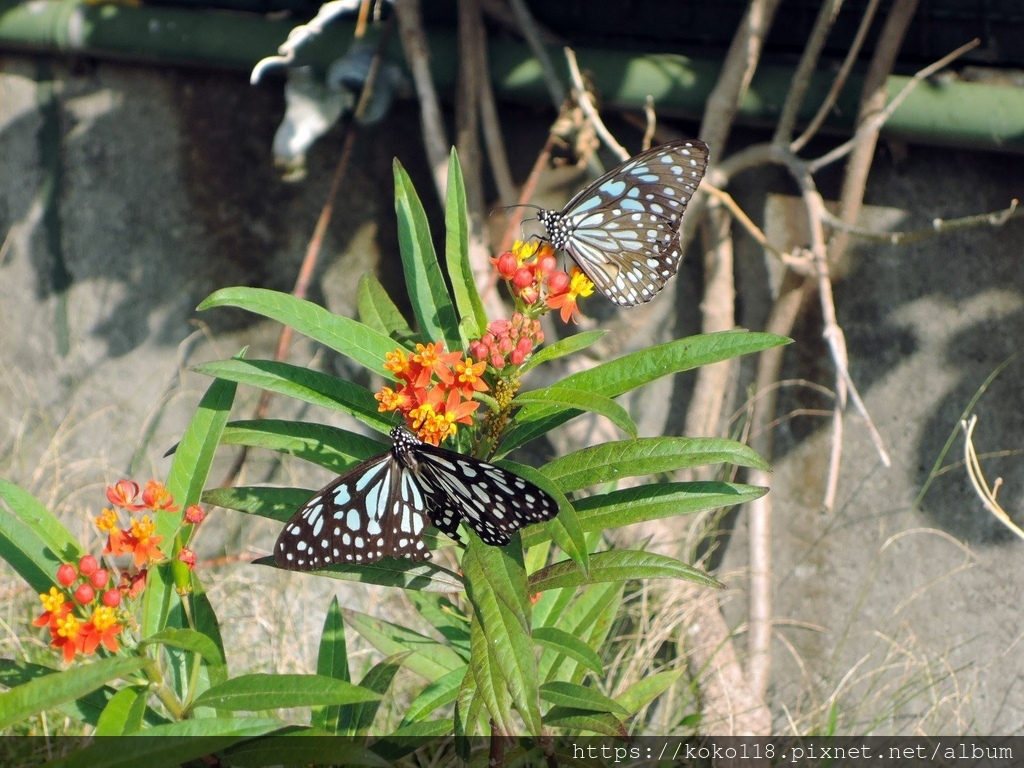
508	342
529	270
436	392
95	615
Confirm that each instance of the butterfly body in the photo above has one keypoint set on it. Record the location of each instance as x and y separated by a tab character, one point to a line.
381	507
623	229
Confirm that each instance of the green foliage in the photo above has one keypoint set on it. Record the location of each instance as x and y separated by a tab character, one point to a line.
518	631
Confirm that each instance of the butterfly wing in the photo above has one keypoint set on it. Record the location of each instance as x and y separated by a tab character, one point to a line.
623	230
374	510
493	502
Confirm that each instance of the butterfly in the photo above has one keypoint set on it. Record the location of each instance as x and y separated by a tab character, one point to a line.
381	507
623	230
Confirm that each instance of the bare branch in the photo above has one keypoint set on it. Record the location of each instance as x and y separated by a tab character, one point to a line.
583	99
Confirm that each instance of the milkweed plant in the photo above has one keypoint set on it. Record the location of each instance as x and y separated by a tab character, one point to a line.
135	642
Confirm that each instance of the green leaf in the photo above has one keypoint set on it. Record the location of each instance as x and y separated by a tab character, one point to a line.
302	384
647	689
257	692
572	696
460	271
616	377
496	586
609	462
302	747
435	695
53	690
619	565
490	688
409	738
605	511
432	659
173	745
123	713
342	334
332	661
567	397
588	614
379	680
189	640
562	347
423	279
576	720
331	447
43	523
86	709
26	553
378	311
563	642
391	572
275	503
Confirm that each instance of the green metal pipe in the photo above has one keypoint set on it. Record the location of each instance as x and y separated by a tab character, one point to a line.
951	113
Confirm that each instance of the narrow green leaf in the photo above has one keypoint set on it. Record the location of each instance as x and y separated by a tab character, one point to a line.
576	720
572	696
647	689
302	747
606	511
53	690
26	553
562	347
567	397
302	384
440	693
565	528
257	692
378	311
460	271
123	713
173	745
342	334
588	614
432	659
390	572
619	565
496	586
188	640
379	680
43	523
609	462
616	377
491	689
411	737
332	661
276	503
334	448
562	642
86	709
447	619
428	293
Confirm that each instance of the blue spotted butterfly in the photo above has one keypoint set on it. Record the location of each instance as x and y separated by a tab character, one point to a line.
623	230
381	507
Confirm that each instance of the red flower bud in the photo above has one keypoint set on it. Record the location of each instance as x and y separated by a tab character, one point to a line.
188	557
88	565
497	361
66	575
523	278
85	594
546	264
99	578
558	282
516	357
507	265
111	598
